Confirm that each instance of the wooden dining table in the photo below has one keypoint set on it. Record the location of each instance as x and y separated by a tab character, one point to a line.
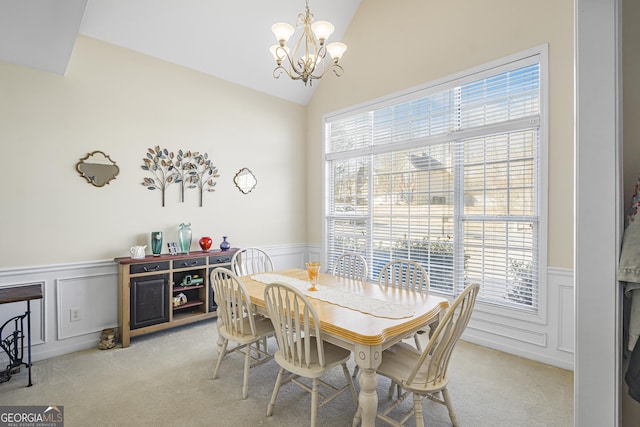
366	335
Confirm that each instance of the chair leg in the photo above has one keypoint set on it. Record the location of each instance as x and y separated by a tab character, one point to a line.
276	389
221	353
314	402
390	392
417	408
416	337
259	344
356	371
347	376
245	375
219	321
447	401
356	417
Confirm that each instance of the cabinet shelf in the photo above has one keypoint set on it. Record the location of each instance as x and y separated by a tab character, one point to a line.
188	304
186	288
146	293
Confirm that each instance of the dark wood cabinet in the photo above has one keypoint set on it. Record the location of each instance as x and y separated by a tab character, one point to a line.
161	292
149	300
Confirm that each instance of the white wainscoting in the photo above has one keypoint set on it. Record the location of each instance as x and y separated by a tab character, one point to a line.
78	293
91	288
549	340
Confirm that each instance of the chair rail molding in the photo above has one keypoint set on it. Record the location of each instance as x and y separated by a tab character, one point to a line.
91	288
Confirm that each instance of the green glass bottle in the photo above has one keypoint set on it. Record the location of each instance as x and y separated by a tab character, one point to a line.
156	242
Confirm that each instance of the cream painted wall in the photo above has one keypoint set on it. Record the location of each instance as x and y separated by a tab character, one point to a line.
397	45
122	102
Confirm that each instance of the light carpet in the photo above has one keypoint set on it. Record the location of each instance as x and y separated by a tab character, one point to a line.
165	379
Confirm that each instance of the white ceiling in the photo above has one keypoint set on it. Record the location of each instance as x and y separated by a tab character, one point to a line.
227	39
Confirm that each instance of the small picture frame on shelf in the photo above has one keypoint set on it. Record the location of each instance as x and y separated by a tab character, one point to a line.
173	248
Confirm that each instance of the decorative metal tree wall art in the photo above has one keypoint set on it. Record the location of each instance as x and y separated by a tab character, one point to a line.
190	169
204	175
158	162
184	170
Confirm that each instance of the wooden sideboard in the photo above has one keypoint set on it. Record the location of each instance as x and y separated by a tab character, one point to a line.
147	288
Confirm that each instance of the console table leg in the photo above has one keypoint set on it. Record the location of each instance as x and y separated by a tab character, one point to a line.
13	343
29	339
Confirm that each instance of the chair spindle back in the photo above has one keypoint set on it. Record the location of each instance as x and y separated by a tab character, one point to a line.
405	274
234	304
431	369
296	324
249	261
350	265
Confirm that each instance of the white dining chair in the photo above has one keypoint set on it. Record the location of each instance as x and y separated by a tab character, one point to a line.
247	261
405	274
237	322
426	374
409	275
301	352
350	265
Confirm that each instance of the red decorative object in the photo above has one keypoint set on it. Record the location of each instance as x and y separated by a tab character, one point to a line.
205	243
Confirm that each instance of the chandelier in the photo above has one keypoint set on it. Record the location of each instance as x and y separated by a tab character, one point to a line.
307	60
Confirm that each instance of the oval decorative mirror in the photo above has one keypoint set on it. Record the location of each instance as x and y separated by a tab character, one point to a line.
245	180
97	168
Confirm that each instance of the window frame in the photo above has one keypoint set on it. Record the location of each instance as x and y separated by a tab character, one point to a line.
538	54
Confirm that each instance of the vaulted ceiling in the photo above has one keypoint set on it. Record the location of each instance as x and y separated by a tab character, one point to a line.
226	39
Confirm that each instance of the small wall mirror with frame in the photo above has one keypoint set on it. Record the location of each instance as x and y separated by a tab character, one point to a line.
245	180
97	168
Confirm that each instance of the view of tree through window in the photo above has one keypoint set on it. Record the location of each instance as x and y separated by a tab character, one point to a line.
449	178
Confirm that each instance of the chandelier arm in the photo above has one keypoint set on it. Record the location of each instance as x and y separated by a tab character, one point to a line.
310	48
320	59
290	68
277	72
337	69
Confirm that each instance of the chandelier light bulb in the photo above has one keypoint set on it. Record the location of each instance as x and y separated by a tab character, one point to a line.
282	31
336	50
322	30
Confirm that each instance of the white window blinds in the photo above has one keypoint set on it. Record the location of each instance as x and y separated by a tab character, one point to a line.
448	176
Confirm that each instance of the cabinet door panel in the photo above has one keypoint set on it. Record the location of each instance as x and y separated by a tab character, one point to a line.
149	300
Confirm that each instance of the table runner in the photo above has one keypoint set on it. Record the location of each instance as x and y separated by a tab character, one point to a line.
353	301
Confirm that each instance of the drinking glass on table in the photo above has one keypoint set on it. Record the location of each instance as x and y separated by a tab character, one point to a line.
313	268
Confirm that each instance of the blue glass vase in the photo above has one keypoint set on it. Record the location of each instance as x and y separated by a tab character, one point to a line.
184	238
224	245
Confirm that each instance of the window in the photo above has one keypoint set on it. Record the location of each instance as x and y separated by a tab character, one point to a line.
449	176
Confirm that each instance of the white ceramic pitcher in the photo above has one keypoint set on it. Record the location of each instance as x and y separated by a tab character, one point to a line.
137	252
